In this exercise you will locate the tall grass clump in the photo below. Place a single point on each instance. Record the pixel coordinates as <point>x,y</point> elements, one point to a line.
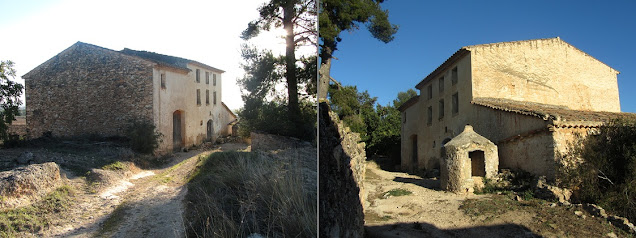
<point>236,194</point>
<point>602,168</point>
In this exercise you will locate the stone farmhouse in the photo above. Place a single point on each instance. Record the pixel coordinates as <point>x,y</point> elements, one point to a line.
<point>87,89</point>
<point>530,98</point>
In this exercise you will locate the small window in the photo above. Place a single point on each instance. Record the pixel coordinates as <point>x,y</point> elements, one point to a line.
<point>441,84</point>
<point>198,97</point>
<point>404,117</point>
<point>163,80</point>
<point>214,97</point>
<point>429,119</point>
<point>441,108</point>
<point>198,76</point>
<point>207,77</point>
<point>454,76</point>
<point>207,97</point>
<point>430,91</point>
<point>213,79</point>
<point>455,103</point>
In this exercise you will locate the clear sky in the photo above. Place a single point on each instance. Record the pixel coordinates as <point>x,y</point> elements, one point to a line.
<point>206,31</point>
<point>431,31</point>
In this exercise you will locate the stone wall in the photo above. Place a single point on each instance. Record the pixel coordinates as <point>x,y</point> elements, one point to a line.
<point>548,71</point>
<point>87,89</point>
<point>341,171</point>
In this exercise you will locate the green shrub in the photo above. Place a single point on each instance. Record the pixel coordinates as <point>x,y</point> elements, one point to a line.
<point>601,168</point>
<point>143,136</point>
<point>272,118</point>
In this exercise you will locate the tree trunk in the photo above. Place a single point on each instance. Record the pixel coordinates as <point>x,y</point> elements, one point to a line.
<point>290,64</point>
<point>325,74</point>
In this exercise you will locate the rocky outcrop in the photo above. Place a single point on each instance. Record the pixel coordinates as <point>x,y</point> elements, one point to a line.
<point>25,185</point>
<point>545,191</point>
<point>342,168</point>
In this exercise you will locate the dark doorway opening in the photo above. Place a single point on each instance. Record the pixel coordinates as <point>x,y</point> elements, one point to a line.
<point>210,130</point>
<point>414,153</point>
<point>478,163</point>
<point>177,130</point>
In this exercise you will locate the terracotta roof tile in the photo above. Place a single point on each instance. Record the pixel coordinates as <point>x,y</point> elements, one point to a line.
<point>561,115</point>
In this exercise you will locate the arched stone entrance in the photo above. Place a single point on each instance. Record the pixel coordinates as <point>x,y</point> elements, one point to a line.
<point>210,129</point>
<point>178,132</point>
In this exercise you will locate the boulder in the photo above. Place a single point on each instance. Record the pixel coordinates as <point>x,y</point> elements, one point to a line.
<point>25,185</point>
<point>622,223</point>
<point>595,210</point>
<point>545,191</point>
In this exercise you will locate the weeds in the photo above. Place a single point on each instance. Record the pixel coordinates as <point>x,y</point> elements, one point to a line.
<point>235,194</point>
<point>35,217</point>
<point>397,192</point>
<point>117,165</point>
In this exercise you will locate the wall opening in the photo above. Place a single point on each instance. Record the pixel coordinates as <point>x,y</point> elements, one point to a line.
<point>177,130</point>
<point>478,163</point>
<point>414,148</point>
<point>210,130</point>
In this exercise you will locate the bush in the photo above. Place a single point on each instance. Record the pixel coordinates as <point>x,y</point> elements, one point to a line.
<point>143,136</point>
<point>272,118</point>
<point>601,168</point>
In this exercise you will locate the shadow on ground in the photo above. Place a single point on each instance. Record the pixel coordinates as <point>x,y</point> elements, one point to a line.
<point>406,230</point>
<point>386,163</point>
<point>429,183</point>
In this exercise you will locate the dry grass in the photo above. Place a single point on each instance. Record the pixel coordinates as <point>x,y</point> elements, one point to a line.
<point>34,218</point>
<point>236,194</point>
<point>558,221</point>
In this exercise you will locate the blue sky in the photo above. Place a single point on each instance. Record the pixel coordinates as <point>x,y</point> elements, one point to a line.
<point>431,31</point>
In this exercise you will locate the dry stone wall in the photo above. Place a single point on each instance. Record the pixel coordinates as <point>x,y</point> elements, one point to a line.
<point>87,89</point>
<point>342,168</point>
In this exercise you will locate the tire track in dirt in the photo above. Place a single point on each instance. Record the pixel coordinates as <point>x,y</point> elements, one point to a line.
<point>148,204</point>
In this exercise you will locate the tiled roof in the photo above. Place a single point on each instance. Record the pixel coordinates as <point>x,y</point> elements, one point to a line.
<point>172,61</point>
<point>560,115</point>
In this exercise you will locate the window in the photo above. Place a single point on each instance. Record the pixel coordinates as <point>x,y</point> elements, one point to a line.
<point>454,76</point>
<point>198,97</point>
<point>404,117</point>
<point>429,119</point>
<point>213,79</point>
<point>430,91</point>
<point>207,77</point>
<point>441,84</point>
<point>198,76</point>
<point>455,103</point>
<point>441,108</point>
<point>163,80</point>
<point>207,97</point>
<point>214,98</point>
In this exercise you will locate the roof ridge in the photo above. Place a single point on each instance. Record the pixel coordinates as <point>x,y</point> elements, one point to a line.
<point>517,41</point>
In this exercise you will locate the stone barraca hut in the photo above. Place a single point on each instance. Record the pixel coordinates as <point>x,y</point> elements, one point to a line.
<point>87,89</point>
<point>530,98</point>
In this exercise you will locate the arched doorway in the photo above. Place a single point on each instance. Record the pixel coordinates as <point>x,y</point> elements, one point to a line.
<point>210,129</point>
<point>177,130</point>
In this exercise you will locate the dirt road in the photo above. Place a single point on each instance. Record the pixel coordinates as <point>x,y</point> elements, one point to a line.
<point>146,204</point>
<point>427,212</point>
